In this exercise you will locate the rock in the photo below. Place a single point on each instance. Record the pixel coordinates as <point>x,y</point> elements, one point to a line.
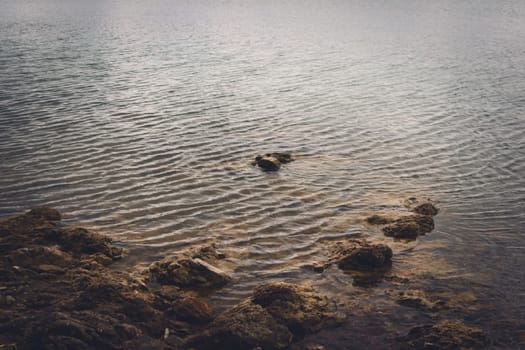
<point>426,209</point>
<point>268,163</point>
<point>188,273</point>
<point>191,310</point>
<point>363,256</point>
<point>245,326</point>
<point>273,161</point>
<point>378,220</point>
<point>409,227</point>
<point>45,213</point>
<point>275,315</point>
<point>297,306</point>
<point>444,335</point>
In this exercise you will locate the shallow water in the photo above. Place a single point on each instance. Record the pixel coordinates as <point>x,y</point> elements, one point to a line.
<point>140,120</point>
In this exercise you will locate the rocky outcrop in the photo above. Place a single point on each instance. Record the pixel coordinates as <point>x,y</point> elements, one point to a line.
<point>272,318</point>
<point>360,255</point>
<point>58,293</point>
<point>409,227</point>
<point>273,161</point>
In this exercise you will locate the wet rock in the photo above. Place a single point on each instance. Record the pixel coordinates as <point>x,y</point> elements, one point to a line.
<point>273,161</point>
<point>297,306</point>
<point>275,315</point>
<point>188,273</point>
<point>444,335</point>
<point>45,213</point>
<point>192,310</point>
<point>409,227</point>
<point>268,163</point>
<point>378,220</point>
<point>10,300</point>
<point>426,209</point>
<point>245,326</point>
<point>362,256</point>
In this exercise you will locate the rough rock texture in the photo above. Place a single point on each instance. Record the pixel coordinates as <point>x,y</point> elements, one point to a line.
<point>444,335</point>
<point>188,272</point>
<point>409,227</point>
<point>59,294</point>
<point>426,209</point>
<point>273,161</point>
<point>275,315</point>
<point>363,256</point>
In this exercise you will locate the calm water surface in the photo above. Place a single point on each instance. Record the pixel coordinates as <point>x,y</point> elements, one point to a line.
<point>140,118</point>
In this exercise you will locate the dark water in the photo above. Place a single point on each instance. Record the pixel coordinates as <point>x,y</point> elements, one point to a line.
<point>140,118</point>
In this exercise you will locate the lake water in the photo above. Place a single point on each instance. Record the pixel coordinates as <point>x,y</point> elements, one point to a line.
<point>140,119</point>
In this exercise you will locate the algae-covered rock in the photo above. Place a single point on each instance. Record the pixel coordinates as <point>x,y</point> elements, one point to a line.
<point>428,209</point>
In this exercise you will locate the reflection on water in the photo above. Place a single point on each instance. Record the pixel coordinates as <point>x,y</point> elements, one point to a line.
<point>141,120</point>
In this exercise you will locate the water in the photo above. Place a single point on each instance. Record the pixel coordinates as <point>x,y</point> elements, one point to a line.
<point>140,119</point>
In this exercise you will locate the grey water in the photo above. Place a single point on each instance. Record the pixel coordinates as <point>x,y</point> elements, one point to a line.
<point>140,118</point>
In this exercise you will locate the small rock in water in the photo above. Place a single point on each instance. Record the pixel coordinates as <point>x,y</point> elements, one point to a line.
<point>273,161</point>
<point>378,220</point>
<point>427,209</point>
<point>409,227</point>
<point>364,257</point>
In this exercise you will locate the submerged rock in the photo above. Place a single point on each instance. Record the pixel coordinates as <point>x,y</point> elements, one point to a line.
<point>273,161</point>
<point>409,227</point>
<point>188,272</point>
<point>378,220</point>
<point>363,256</point>
<point>444,335</point>
<point>426,209</point>
<point>275,315</point>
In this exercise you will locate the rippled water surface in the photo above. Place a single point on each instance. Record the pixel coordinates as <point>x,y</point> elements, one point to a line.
<point>140,118</point>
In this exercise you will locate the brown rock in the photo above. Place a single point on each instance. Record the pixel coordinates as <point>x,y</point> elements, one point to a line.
<point>245,326</point>
<point>444,335</point>
<point>409,227</point>
<point>45,213</point>
<point>378,220</point>
<point>426,209</point>
<point>363,256</point>
<point>188,273</point>
<point>297,306</point>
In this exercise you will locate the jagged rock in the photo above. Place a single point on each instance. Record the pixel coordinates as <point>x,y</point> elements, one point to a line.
<point>444,335</point>
<point>363,256</point>
<point>188,272</point>
<point>299,307</point>
<point>66,298</point>
<point>275,315</point>
<point>426,209</point>
<point>409,227</point>
<point>244,327</point>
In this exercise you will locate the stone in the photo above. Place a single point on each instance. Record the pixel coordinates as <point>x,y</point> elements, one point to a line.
<point>364,256</point>
<point>273,161</point>
<point>378,220</point>
<point>409,227</point>
<point>45,213</point>
<point>188,272</point>
<point>426,209</point>
<point>444,335</point>
<point>245,326</point>
<point>298,306</point>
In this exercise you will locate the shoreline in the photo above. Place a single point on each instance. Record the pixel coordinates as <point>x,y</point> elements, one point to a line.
<point>59,290</point>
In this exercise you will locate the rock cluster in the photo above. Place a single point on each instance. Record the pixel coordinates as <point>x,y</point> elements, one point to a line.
<point>408,227</point>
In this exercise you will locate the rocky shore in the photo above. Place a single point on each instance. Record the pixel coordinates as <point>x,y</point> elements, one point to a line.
<point>58,290</point>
